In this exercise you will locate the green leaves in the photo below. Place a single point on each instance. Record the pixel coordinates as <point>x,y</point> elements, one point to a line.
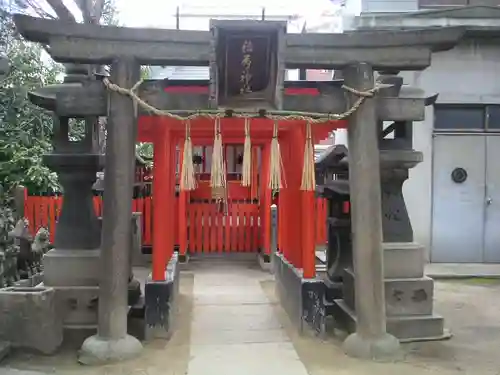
<point>25,129</point>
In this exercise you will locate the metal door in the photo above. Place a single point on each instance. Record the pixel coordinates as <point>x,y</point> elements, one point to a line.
<point>492,201</point>
<point>458,204</point>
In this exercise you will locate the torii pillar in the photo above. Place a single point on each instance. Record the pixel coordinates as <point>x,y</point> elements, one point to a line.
<point>371,339</point>
<point>112,343</point>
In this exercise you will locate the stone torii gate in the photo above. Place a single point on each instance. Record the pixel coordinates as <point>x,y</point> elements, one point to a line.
<point>357,54</point>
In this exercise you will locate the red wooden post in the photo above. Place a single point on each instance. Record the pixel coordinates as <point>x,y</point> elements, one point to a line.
<point>161,166</point>
<point>265,200</point>
<point>294,180</point>
<point>284,202</point>
<point>182,208</point>
<point>308,234</point>
<point>171,214</point>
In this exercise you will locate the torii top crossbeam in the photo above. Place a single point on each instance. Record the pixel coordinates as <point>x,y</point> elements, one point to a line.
<point>95,44</point>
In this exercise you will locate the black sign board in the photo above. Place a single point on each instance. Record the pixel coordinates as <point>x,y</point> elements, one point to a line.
<point>248,63</point>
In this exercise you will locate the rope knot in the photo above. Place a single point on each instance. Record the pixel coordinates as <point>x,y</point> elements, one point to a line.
<point>370,93</point>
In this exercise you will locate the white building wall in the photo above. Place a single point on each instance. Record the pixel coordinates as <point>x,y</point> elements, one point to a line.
<point>356,7</point>
<point>389,6</point>
<point>468,74</point>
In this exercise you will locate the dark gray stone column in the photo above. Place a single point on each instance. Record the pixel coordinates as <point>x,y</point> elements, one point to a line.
<point>371,339</point>
<point>112,343</point>
<point>77,227</point>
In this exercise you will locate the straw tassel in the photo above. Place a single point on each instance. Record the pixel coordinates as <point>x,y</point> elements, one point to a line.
<point>308,172</point>
<point>188,180</point>
<point>246,178</point>
<point>275,161</point>
<point>217,170</point>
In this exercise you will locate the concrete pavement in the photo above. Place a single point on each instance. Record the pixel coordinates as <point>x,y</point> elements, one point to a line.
<point>235,328</point>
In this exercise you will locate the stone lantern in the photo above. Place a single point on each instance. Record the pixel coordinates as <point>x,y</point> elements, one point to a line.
<point>72,266</point>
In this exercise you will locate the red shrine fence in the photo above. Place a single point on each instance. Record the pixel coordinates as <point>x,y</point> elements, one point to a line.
<point>210,230</point>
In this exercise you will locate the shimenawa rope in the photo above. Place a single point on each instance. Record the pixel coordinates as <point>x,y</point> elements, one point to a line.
<point>311,117</point>
<point>217,178</point>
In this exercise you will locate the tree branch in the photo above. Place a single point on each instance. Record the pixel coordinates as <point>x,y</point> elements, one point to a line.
<point>62,12</point>
<point>98,8</point>
<point>85,7</point>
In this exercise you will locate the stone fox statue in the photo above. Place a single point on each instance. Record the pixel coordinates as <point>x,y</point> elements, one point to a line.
<point>31,249</point>
<point>22,238</point>
<point>41,244</point>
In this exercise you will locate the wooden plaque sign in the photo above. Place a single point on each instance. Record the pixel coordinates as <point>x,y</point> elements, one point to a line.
<point>246,64</point>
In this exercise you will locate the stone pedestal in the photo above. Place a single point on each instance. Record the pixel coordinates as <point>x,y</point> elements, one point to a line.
<point>74,275</point>
<point>28,319</point>
<point>408,296</point>
<point>161,300</point>
<point>302,299</point>
<point>72,268</point>
<point>408,293</point>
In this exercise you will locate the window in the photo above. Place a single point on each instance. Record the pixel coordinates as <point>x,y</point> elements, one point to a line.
<point>459,118</point>
<point>493,117</point>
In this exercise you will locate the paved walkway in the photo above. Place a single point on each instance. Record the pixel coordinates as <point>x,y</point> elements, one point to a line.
<point>234,326</point>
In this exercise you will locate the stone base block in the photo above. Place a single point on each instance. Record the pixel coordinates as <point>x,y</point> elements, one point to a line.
<point>71,268</point>
<point>135,321</point>
<point>4,350</point>
<point>264,262</point>
<point>403,260</point>
<point>31,281</point>
<point>333,290</point>
<point>385,347</point>
<point>404,328</point>
<point>184,258</point>
<point>75,335</point>
<point>23,283</point>
<point>77,305</point>
<point>418,328</point>
<point>161,299</point>
<point>302,299</point>
<point>402,296</point>
<point>134,292</point>
<point>99,351</point>
<point>29,320</point>
<point>36,279</point>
